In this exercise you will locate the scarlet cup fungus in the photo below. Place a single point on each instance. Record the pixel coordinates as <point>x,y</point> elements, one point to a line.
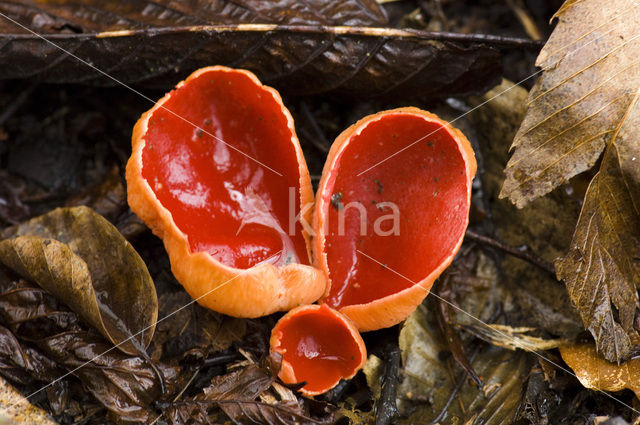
<point>319,346</point>
<point>216,165</point>
<point>404,177</point>
<point>391,212</point>
<point>211,173</point>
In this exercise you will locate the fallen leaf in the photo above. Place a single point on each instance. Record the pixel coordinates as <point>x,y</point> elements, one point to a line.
<point>544,227</point>
<point>48,342</point>
<point>80,258</point>
<point>585,95</point>
<point>108,198</point>
<point>512,338</point>
<point>344,47</point>
<point>373,372</point>
<point>193,327</point>
<point>243,396</point>
<point>427,381</point>
<point>16,410</point>
<point>596,373</point>
<point>602,268</point>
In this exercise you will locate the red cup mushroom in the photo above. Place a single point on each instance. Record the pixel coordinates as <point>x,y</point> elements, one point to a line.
<point>319,346</point>
<point>216,167</point>
<point>218,173</point>
<point>391,212</point>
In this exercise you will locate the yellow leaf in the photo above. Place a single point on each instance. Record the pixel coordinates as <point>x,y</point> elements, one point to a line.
<point>596,373</point>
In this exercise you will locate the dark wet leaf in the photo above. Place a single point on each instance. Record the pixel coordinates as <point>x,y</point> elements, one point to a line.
<point>288,44</point>
<point>12,209</point>
<point>587,91</point>
<point>80,258</point>
<point>193,328</point>
<point>602,268</point>
<point>16,410</point>
<point>125,385</point>
<point>247,396</point>
<point>41,347</point>
<point>540,402</point>
<point>108,198</point>
<point>429,392</point>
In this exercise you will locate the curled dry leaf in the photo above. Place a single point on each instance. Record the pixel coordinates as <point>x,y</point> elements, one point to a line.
<point>288,44</point>
<point>15,408</point>
<point>80,258</point>
<point>596,373</point>
<point>512,338</point>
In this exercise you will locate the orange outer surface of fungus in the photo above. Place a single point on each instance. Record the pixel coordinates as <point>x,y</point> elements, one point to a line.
<point>381,268</point>
<point>319,346</point>
<point>215,167</point>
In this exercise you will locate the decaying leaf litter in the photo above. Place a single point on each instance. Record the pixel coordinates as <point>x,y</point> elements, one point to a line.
<point>66,145</point>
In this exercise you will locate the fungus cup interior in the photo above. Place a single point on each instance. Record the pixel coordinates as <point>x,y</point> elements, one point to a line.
<point>220,178</point>
<point>319,345</point>
<point>409,211</point>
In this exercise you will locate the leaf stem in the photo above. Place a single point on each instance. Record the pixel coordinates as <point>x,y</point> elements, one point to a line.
<point>533,259</point>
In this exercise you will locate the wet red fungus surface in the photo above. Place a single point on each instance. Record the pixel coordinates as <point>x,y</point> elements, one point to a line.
<point>391,211</point>
<point>217,172</point>
<point>227,203</point>
<point>319,346</point>
<point>417,186</point>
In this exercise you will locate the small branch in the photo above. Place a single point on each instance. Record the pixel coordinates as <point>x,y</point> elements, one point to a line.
<point>320,141</point>
<point>454,393</point>
<point>10,109</point>
<point>444,316</point>
<point>535,260</point>
<point>494,40</point>
<point>386,409</point>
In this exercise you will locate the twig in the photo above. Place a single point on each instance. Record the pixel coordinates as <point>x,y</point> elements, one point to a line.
<point>176,398</point>
<point>321,142</point>
<point>455,391</point>
<point>535,260</point>
<point>528,24</point>
<point>17,102</point>
<point>494,40</point>
<point>221,359</point>
<point>386,409</point>
<point>451,336</point>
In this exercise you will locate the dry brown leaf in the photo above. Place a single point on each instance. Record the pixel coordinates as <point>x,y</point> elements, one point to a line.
<point>596,373</point>
<point>590,79</point>
<point>15,409</point>
<point>602,265</point>
<point>80,258</point>
<point>512,338</point>
<point>586,102</point>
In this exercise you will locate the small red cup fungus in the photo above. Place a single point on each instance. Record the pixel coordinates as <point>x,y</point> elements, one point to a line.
<point>216,165</point>
<point>319,346</point>
<point>391,212</point>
